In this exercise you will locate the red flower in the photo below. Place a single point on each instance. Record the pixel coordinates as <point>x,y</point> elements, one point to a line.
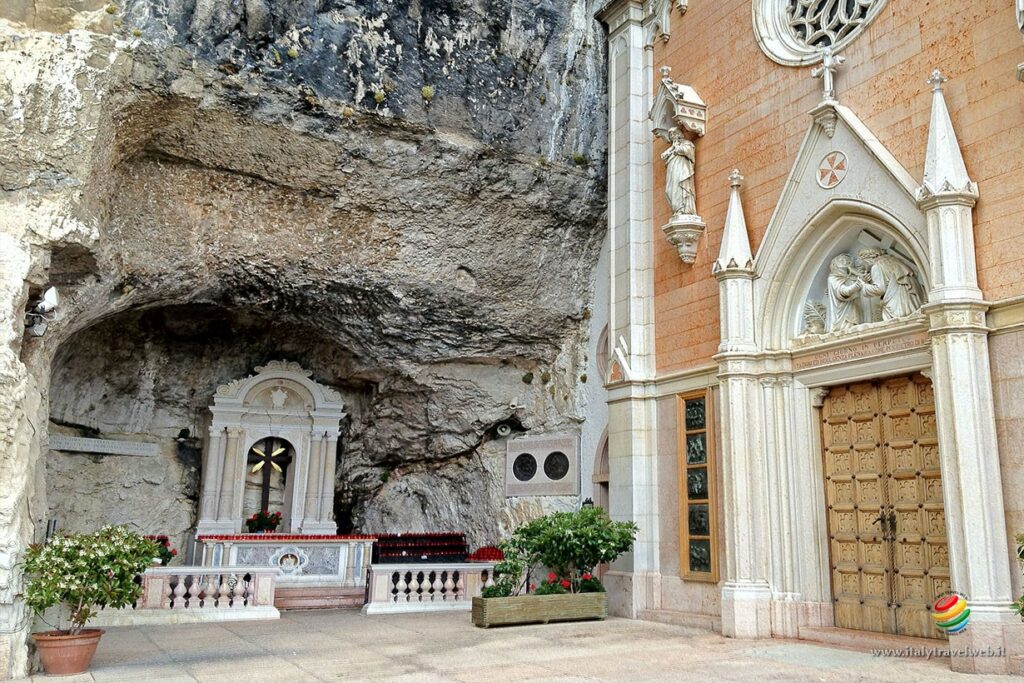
<point>565,583</point>
<point>552,577</point>
<point>173,551</point>
<point>533,586</point>
<point>586,576</point>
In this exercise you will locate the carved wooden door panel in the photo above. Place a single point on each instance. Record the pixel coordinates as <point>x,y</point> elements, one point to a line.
<point>855,495</point>
<point>883,490</point>
<point>920,553</point>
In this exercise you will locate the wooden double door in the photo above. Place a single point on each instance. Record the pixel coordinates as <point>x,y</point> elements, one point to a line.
<point>883,490</point>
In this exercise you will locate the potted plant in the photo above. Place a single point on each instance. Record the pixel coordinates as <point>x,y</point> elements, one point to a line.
<point>165,553</point>
<point>570,545</point>
<point>263,522</point>
<point>80,573</point>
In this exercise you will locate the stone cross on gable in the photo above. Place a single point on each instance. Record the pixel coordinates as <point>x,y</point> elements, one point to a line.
<point>830,63</point>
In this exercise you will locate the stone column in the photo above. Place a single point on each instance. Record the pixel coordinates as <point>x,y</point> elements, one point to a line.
<point>212,469</point>
<point>965,411</point>
<point>746,594</point>
<point>314,473</point>
<point>229,510</point>
<point>633,581</point>
<point>330,461</point>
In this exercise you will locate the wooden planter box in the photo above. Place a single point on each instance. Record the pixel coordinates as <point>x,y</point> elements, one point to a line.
<point>533,609</point>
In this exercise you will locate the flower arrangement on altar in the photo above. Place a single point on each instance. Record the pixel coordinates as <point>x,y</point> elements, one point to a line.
<point>165,552</point>
<point>263,521</point>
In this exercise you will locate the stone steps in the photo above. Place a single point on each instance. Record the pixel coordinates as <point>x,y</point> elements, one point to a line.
<point>677,618</point>
<point>868,640</point>
<point>318,597</point>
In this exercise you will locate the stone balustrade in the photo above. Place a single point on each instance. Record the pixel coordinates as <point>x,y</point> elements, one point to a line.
<point>430,587</point>
<point>194,594</point>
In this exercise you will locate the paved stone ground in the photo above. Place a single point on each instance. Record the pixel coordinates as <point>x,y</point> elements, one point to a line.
<point>423,648</point>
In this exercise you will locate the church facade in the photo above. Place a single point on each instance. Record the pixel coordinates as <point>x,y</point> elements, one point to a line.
<point>816,392</point>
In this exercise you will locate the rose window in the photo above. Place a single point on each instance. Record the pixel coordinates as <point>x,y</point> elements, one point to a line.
<point>794,32</point>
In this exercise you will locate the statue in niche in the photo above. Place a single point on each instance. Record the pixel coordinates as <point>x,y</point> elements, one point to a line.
<point>891,279</point>
<point>679,160</point>
<point>844,288</point>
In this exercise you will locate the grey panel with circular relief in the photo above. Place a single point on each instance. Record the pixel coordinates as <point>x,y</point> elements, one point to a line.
<point>542,466</point>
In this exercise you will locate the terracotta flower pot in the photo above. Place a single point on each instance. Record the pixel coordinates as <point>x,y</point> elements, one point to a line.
<point>64,654</point>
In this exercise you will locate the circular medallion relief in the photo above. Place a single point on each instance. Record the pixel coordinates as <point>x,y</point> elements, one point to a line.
<point>794,32</point>
<point>556,465</point>
<point>524,467</point>
<point>832,170</point>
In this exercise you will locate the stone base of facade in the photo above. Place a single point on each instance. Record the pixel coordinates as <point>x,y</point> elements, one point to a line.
<point>630,593</point>
<point>746,611</point>
<point>989,648</point>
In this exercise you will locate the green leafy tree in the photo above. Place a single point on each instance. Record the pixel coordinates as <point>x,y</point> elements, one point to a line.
<point>82,572</point>
<point>570,544</point>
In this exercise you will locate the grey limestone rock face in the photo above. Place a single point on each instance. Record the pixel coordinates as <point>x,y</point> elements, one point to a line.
<point>407,197</point>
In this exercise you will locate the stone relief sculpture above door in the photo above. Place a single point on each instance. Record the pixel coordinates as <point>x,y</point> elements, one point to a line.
<point>864,284</point>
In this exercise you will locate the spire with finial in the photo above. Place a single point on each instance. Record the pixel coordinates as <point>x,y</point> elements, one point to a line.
<point>735,251</point>
<point>944,168</point>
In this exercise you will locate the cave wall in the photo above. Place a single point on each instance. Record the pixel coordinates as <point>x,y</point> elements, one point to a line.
<point>418,183</point>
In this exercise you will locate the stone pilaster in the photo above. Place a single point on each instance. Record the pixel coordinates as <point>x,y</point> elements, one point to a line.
<point>314,473</point>
<point>964,406</point>
<point>229,508</point>
<point>746,593</point>
<point>212,471</point>
<point>634,579</point>
<point>330,463</point>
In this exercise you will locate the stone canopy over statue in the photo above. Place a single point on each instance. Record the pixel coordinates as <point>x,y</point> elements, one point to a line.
<point>876,285</point>
<point>680,117</point>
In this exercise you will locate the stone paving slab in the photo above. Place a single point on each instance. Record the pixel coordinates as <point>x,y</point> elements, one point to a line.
<point>343,645</point>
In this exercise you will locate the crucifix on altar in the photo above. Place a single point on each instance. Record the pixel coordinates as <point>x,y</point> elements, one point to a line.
<point>265,482</point>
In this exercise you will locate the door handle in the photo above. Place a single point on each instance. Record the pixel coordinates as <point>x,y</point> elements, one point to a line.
<point>892,523</point>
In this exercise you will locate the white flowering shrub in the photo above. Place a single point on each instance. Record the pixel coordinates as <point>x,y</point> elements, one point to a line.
<point>82,572</point>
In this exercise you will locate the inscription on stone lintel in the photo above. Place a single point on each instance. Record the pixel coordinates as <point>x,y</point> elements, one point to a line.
<point>62,442</point>
<point>877,347</point>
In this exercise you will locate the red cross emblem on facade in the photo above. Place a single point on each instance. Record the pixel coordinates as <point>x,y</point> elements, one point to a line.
<point>832,170</point>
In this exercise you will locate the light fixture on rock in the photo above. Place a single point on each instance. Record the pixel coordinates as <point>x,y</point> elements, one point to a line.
<point>43,312</point>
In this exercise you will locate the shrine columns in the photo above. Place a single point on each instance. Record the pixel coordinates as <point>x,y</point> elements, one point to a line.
<point>226,511</point>
<point>965,409</point>
<point>314,475</point>
<point>330,461</point>
<point>212,471</point>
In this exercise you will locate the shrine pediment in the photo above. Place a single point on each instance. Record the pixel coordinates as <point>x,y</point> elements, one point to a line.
<point>845,192</point>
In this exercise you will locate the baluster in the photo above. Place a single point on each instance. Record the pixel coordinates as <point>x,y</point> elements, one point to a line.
<point>401,596</point>
<point>238,592</point>
<point>223,593</point>
<point>488,578</point>
<point>169,593</point>
<point>449,585</point>
<point>459,586</point>
<point>414,585</point>
<point>178,593</point>
<point>438,585</point>
<point>195,600</point>
<point>395,578</point>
